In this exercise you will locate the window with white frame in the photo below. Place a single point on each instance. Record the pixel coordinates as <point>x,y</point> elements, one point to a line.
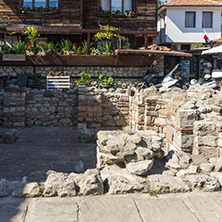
<point>40,3</point>
<point>116,5</point>
<point>190,19</point>
<point>207,19</point>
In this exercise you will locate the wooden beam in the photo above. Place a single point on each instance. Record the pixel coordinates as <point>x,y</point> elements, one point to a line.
<point>134,5</point>
<point>98,5</point>
<point>110,5</point>
<point>145,41</point>
<point>88,42</point>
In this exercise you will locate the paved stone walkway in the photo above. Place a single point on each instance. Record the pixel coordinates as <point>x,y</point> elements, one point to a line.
<point>189,207</point>
<point>42,149</point>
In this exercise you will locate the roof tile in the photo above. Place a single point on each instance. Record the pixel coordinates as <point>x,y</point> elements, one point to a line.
<point>193,2</point>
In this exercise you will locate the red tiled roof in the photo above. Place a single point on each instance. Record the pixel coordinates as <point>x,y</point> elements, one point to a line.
<point>193,2</point>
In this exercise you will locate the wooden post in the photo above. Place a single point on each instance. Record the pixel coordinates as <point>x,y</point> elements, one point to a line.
<point>88,42</point>
<point>145,41</point>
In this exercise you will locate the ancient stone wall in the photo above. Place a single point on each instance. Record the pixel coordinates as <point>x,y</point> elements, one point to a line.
<point>120,74</point>
<point>14,107</point>
<point>101,108</point>
<point>1,106</point>
<point>207,138</point>
<point>23,107</point>
<point>47,108</point>
<point>147,111</point>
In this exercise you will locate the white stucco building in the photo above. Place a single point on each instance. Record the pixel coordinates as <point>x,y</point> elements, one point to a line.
<point>182,23</point>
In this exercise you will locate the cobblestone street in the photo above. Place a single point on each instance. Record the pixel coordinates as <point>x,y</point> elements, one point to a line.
<point>43,149</point>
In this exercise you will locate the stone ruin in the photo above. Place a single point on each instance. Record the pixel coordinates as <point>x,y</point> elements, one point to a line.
<point>172,144</point>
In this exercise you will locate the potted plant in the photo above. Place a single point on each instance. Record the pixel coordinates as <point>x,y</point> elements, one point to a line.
<point>117,12</point>
<point>14,53</point>
<point>25,9</point>
<point>105,82</point>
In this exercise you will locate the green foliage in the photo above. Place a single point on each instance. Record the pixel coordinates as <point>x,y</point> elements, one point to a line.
<point>105,48</point>
<point>152,192</point>
<point>105,81</point>
<point>85,79</point>
<point>59,73</point>
<point>108,32</point>
<point>6,49</point>
<point>197,45</point>
<point>19,47</point>
<point>41,189</point>
<point>32,34</point>
<point>66,45</point>
<point>107,14</point>
<point>49,48</point>
<point>126,45</point>
<point>37,79</point>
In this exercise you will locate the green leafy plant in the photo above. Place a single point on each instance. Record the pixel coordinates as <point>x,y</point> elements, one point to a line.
<point>105,48</point>
<point>94,51</point>
<point>66,45</point>
<point>32,34</point>
<point>6,49</point>
<point>19,47</point>
<point>107,14</point>
<point>108,32</point>
<point>37,79</point>
<point>152,192</point>
<point>58,73</point>
<point>41,189</point>
<point>85,79</point>
<point>126,45</point>
<point>117,12</point>
<point>105,81</point>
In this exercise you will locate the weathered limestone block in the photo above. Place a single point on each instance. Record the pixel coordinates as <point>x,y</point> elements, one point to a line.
<point>208,140</point>
<point>91,183</point>
<point>178,159</point>
<point>217,163</point>
<point>140,168</point>
<point>191,170</point>
<point>167,184</point>
<point>218,176</point>
<point>59,184</point>
<point>9,136</point>
<point>206,167</point>
<point>186,118</point>
<point>203,182</point>
<point>26,190</point>
<point>183,140</point>
<point>202,127</point>
<point>119,181</point>
<point>206,151</point>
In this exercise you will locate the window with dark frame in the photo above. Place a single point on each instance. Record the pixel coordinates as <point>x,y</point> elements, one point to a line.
<point>116,5</point>
<point>40,3</point>
<point>207,19</point>
<point>190,19</point>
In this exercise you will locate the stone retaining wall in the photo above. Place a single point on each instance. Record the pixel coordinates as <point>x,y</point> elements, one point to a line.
<point>46,108</point>
<point>14,107</point>
<point>23,107</point>
<point>1,106</point>
<point>101,108</point>
<point>207,138</point>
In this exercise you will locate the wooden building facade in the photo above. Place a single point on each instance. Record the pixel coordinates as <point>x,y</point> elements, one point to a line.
<point>79,20</point>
